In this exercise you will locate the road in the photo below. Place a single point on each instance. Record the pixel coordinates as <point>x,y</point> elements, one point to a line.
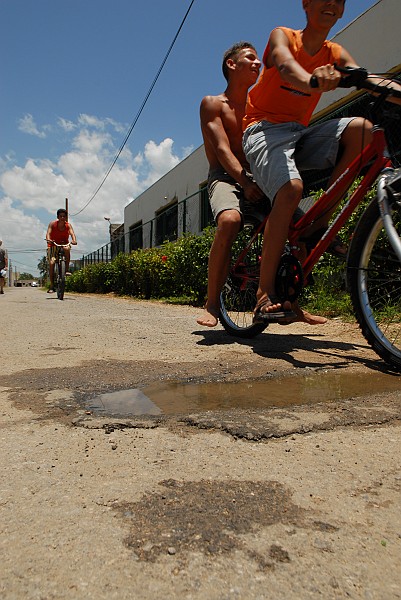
<point>288,499</point>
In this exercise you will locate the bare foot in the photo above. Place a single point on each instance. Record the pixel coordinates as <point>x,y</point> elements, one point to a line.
<point>304,317</point>
<point>210,317</point>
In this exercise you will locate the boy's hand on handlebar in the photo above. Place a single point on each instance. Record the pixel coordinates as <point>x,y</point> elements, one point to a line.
<point>325,78</point>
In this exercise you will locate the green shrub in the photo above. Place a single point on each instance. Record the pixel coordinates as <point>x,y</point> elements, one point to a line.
<point>177,272</point>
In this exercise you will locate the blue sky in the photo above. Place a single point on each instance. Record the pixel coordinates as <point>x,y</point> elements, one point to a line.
<point>74,74</point>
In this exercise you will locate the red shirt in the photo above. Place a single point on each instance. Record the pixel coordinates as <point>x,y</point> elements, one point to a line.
<point>58,236</point>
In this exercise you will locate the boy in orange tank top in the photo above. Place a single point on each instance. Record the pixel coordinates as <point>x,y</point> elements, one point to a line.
<point>277,141</point>
<point>59,231</point>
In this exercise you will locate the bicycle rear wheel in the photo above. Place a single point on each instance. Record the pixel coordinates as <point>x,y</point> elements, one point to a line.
<point>60,279</point>
<point>238,297</point>
<point>374,282</point>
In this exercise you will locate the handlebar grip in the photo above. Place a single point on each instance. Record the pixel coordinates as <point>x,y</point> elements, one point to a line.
<point>313,82</point>
<point>345,82</point>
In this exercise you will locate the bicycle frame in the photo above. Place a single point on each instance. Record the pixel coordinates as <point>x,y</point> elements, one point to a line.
<point>59,254</point>
<point>333,196</point>
<point>376,151</point>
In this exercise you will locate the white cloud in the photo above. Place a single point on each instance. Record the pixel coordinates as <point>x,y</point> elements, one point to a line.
<point>31,193</point>
<point>66,125</point>
<point>28,125</point>
<point>160,159</point>
<point>92,121</point>
<point>187,151</point>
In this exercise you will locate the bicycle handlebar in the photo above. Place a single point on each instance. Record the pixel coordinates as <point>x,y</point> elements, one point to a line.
<point>59,245</point>
<point>359,78</point>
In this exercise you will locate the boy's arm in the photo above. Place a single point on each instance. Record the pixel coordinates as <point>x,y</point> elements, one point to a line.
<point>280,56</point>
<point>348,61</point>
<point>48,232</point>
<point>72,234</point>
<point>215,136</point>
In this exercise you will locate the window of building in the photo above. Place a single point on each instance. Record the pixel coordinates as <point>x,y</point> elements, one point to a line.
<point>136,236</point>
<point>167,223</point>
<point>206,215</point>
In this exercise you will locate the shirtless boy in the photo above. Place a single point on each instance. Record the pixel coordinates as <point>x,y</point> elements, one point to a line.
<point>230,185</point>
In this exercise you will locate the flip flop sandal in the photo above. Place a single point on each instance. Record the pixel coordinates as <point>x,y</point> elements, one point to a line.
<point>271,317</point>
<point>337,241</point>
<point>311,241</point>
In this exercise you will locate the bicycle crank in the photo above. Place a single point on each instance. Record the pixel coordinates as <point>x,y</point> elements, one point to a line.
<point>289,278</point>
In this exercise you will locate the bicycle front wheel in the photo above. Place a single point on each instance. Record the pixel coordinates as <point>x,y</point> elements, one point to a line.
<point>61,280</point>
<point>374,282</point>
<point>238,297</point>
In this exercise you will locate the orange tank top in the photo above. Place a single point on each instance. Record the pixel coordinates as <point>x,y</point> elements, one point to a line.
<point>60,237</point>
<point>275,100</point>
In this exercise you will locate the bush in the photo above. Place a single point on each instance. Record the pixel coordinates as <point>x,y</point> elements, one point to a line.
<point>177,272</point>
<point>174,270</point>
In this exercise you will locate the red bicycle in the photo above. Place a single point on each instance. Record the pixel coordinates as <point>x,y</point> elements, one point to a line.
<point>373,264</point>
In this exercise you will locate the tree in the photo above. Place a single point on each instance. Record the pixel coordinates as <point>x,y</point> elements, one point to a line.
<point>43,266</point>
<point>24,276</point>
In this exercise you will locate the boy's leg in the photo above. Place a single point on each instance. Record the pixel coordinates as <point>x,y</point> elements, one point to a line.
<point>67,253</point>
<point>228,226</point>
<point>51,260</point>
<point>354,137</point>
<point>275,236</point>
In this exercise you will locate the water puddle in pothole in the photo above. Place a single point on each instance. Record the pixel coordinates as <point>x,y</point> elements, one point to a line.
<point>171,398</point>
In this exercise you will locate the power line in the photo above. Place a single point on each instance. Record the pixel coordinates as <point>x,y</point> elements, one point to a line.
<point>138,113</point>
<point>17,251</point>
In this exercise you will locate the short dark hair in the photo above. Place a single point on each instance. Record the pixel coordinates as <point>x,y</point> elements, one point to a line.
<point>61,210</point>
<point>233,53</point>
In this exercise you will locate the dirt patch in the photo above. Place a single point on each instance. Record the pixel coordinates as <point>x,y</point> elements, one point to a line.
<point>207,516</point>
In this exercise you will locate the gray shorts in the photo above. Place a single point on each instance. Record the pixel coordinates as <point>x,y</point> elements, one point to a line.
<point>278,152</point>
<point>226,194</point>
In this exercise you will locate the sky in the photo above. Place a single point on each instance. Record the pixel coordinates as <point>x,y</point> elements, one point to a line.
<point>74,75</point>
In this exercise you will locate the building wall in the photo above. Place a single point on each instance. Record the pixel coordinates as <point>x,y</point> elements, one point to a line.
<point>179,183</point>
<point>374,42</point>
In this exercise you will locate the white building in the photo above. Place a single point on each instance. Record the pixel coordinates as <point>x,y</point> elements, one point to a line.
<point>178,203</point>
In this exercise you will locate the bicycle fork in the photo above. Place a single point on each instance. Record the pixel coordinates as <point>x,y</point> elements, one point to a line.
<point>390,180</point>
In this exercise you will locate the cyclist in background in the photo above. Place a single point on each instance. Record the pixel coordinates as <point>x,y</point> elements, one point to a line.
<point>59,231</point>
<point>3,266</point>
<point>278,142</point>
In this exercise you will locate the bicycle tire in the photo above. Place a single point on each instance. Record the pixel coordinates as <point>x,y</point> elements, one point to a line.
<point>374,283</point>
<point>238,296</point>
<point>61,280</point>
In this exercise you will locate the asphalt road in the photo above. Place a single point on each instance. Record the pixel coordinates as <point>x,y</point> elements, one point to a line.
<point>292,498</point>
